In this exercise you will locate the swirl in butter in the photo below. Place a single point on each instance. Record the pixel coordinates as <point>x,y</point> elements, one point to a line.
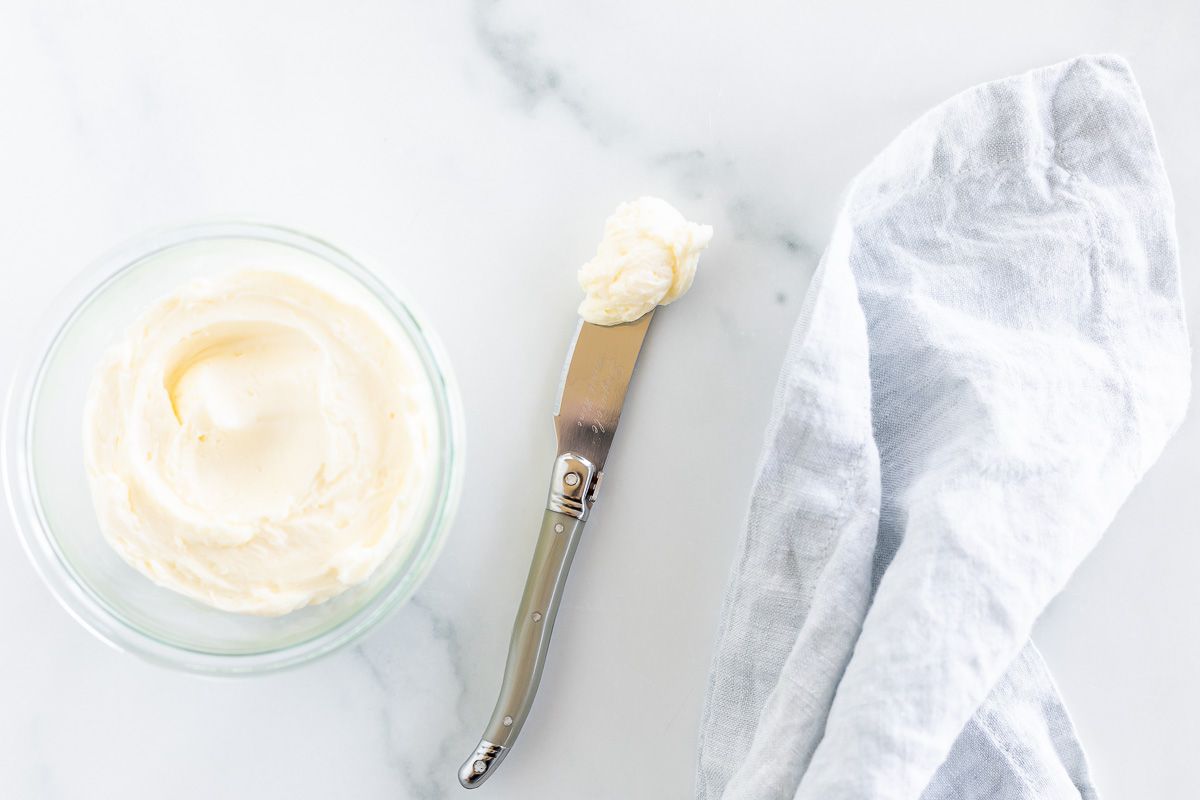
<point>647,258</point>
<point>258,443</point>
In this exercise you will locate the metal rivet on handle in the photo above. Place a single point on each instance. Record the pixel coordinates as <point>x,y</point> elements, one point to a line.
<point>537,616</point>
<point>571,479</point>
<point>480,767</point>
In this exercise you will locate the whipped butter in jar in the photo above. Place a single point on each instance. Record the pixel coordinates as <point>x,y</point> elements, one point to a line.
<point>260,440</point>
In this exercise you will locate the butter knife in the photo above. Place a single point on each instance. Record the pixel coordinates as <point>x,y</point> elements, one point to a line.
<point>591,393</point>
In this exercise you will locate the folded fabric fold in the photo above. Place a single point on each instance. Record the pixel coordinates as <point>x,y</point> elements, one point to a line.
<point>991,354</point>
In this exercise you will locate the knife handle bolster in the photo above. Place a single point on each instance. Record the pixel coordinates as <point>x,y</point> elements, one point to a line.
<point>573,485</point>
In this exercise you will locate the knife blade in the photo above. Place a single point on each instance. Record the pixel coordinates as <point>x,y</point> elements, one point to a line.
<point>595,378</point>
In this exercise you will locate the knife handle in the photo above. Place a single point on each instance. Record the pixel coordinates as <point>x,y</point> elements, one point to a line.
<point>556,546</point>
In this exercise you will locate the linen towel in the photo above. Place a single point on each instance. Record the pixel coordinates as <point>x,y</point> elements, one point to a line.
<point>990,355</point>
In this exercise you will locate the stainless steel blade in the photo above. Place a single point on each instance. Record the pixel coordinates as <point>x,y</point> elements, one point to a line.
<point>592,391</point>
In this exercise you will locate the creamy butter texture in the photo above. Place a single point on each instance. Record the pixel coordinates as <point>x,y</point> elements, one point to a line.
<point>647,258</point>
<point>258,443</point>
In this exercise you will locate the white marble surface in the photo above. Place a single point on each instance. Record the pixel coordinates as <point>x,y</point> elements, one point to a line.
<point>474,149</point>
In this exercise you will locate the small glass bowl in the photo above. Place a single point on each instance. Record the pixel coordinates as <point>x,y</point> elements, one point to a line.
<point>47,487</point>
